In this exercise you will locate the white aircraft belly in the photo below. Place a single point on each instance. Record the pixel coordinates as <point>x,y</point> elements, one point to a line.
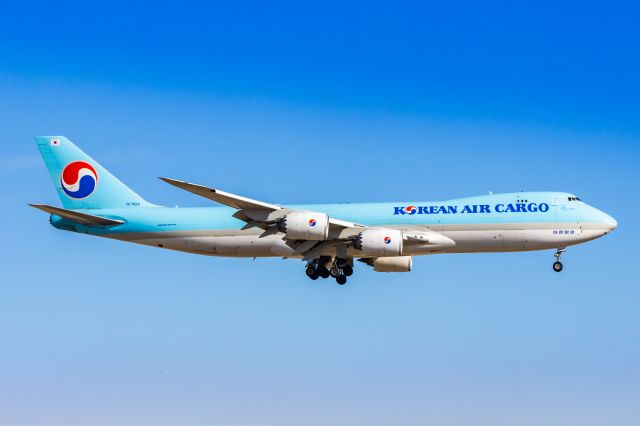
<point>468,239</point>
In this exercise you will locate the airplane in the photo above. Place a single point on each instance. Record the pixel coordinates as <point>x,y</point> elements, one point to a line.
<point>327,237</point>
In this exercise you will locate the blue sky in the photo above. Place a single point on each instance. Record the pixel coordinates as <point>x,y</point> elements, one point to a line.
<point>296,103</point>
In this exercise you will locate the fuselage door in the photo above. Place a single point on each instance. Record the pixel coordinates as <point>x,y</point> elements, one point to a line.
<point>556,202</point>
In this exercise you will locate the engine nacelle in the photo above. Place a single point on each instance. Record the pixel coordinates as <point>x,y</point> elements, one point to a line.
<point>393,264</point>
<point>379,242</point>
<point>305,225</point>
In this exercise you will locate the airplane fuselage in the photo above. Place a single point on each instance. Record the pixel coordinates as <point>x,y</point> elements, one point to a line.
<point>329,237</point>
<point>490,223</point>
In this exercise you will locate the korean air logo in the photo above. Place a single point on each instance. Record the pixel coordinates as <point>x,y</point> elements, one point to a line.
<point>79,179</point>
<point>411,210</point>
<point>387,240</point>
<point>312,222</point>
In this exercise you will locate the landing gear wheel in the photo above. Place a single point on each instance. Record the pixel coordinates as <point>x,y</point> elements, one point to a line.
<point>341,263</point>
<point>312,273</point>
<point>557,265</point>
<point>341,279</point>
<point>323,272</point>
<point>347,271</point>
<point>334,271</point>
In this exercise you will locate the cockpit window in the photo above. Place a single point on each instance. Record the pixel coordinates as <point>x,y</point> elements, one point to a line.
<point>574,199</point>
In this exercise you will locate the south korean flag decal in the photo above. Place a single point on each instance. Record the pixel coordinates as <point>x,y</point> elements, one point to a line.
<point>55,142</point>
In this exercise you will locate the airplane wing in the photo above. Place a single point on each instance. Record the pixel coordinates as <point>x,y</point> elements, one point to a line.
<point>270,217</point>
<point>226,198</point>
<point>81,218</point>
<point>250,210</point>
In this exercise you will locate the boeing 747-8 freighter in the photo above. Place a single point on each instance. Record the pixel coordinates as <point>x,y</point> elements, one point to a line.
<point>329,237</point>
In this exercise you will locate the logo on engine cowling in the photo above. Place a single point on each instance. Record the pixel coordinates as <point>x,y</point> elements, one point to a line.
<point>387,240</point>
<point>312,222</point>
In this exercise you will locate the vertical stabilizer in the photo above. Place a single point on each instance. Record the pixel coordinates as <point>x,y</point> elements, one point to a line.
<point>81,182</point>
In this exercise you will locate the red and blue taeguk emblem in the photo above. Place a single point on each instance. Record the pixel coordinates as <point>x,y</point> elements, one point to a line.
<point>312,222</point>
<point>387,240</point>
<point>79,179</point>
<point>411,209</point>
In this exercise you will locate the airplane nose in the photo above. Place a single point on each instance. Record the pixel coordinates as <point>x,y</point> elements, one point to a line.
<point>609,222</point>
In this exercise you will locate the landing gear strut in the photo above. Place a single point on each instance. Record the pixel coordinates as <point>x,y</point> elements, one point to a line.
<point>557,265</point>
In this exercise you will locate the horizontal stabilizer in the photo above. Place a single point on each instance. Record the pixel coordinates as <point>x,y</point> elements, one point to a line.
<point>75,216</point>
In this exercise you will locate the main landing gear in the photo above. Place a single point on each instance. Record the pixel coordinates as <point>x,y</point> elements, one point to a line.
<point>557,265</point>
<point>337,268</point>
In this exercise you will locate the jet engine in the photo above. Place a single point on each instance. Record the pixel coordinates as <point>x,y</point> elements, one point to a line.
<point>305,225</point>
<point>393,264</point>
<point>379,242</point>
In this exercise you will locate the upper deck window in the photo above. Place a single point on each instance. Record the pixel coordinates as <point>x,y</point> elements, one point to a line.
<point>574,199</point>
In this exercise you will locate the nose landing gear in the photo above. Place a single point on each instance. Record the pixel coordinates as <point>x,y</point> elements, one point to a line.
<point>557,265</point>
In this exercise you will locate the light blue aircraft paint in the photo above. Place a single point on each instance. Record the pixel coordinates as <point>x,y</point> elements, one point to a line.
<point>328,236</point>
<point>94,188</point>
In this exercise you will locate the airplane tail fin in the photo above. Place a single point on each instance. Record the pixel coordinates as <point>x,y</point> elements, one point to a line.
<point>81,182</point>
